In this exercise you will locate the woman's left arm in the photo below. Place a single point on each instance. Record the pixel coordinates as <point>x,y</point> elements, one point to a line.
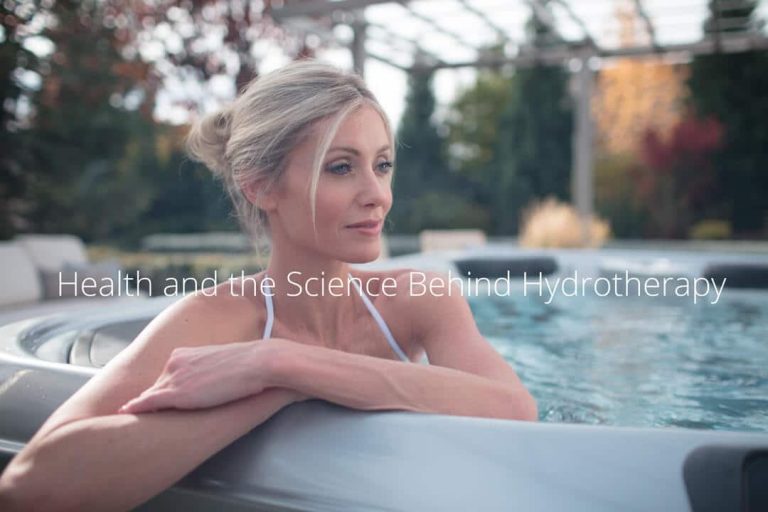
<point>465,377</point>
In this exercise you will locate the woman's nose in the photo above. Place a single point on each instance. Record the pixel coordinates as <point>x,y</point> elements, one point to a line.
<point>374,188</point>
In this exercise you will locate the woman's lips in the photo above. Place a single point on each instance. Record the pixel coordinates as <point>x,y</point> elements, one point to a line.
<point>367,228</point>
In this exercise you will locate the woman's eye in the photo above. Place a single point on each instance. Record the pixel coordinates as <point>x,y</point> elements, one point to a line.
<point>385,166</point>
<point>342,168</point>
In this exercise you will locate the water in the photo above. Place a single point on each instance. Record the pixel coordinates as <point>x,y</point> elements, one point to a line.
<point>638,361</point>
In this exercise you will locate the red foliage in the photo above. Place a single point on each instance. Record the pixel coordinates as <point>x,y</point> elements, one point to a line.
<point>692,141</point>
<point>677,180</point>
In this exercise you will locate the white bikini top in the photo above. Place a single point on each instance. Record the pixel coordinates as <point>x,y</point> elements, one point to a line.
<point>368,304</point>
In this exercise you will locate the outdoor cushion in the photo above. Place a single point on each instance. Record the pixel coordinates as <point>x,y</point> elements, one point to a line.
<point>51,252</point>
<point>18,276</point>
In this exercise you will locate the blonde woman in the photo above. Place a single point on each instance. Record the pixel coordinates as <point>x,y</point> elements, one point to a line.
<point>306,154</point>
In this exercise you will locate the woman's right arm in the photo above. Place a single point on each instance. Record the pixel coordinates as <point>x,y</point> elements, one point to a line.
<point>87,457</point>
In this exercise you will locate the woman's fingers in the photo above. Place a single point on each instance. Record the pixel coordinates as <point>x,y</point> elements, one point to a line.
<point>202,377</point>
<point>147,402</point>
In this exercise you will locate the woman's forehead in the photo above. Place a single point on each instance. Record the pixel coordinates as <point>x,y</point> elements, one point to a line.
<point>362,129</point>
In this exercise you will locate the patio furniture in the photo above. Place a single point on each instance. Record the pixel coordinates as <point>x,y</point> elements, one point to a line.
<point>44,274</point>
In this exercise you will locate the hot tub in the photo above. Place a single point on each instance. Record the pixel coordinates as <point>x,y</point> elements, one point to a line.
<point>647,403</point>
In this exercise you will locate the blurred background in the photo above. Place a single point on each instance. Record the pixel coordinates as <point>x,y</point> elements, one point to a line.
<point>533,122</point>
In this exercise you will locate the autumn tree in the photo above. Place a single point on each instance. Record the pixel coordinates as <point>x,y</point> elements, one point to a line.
<point>677,181</point>
<point>89,129</point>
<point>632,97</point>
<point>638,94</point>
<point>82,154</point>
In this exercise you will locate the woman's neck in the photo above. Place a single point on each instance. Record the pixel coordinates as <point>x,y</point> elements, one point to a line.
<point>312,295</point>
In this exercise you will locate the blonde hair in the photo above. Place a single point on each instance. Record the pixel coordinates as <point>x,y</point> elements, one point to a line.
<point>250,140</point>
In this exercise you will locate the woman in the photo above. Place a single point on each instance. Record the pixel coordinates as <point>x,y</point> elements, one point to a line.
<point>306,153</point>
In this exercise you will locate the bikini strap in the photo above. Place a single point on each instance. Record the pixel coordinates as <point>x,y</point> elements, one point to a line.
<point>379,320</point>
<point>270,307</point>
<point>266,291</point>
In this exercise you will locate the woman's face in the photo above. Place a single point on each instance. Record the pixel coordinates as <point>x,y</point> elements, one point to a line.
<point>354,187</point>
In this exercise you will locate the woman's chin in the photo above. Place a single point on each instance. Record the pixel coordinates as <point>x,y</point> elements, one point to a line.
<point>362,256</point>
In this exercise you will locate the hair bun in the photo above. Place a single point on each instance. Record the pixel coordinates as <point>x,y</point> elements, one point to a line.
<point>208,138</point>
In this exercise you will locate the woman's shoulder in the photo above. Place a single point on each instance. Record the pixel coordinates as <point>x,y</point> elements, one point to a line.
<point>386,284</point>
<point>426,298</point>
<point>412,294</point>
<point>229,292</point>
<point>404,283</point>
<point>235,306</point>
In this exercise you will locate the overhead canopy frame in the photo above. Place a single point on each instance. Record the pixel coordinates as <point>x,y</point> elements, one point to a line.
<point>663,28</point>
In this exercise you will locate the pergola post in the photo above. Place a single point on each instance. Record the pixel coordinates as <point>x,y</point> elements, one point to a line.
<point>358,42</point>
<point>582,183</point>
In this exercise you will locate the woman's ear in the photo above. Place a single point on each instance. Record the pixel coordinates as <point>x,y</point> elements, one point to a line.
<point>257,194</point>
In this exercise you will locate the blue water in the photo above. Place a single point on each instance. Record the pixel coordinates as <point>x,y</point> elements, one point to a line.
<point>639,361</point>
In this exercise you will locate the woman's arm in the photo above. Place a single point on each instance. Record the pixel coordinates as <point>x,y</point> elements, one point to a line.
<point>116,462</point>
<point>353,380</point>
<point>465,377</point>
<point>372,383</point>
<point>88,457</point>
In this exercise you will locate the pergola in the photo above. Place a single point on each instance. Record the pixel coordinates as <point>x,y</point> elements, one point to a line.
<point>438,34</point>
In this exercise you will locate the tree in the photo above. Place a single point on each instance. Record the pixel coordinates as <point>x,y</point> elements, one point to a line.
<point>428,194</point>
<point>422,184</point>
<point>535,130</point>
<point>193,44</point>
<point>91,128</point>
<point>186,198</point>
<point>16,60</point>
<point>82,157</point>
<point>420,151</point>
<point>731,88</point>
<point>634,95</point>
<point>473,131</point>
<point>677,183</point>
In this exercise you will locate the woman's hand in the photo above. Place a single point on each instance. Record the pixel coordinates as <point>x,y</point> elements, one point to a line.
<point>202,377</point>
